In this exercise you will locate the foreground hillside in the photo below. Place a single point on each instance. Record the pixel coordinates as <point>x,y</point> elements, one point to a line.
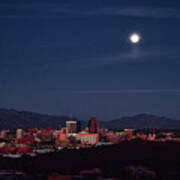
<point>163,158</point>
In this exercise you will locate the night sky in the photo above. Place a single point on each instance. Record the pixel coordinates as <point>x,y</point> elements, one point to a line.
<point>75,58</point>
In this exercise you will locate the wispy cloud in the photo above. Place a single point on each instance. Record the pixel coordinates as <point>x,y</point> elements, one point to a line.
<point>136,55</point>
<point>45,10</point>
<point>137,12</point>
<point>121,57</point>
<point>128,91</point>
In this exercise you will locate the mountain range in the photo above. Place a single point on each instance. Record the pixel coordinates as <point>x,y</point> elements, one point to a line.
<point>11,118</point>
<point>143,121</point>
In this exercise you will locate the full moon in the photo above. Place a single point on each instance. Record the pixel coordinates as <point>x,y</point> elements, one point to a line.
<point>134,38</point>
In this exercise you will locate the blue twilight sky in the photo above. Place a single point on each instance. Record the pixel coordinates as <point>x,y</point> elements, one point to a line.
<point>75,58</point>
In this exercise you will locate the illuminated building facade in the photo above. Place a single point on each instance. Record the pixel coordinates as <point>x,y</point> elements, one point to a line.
<point>87,138</point>
<point>71,126</point>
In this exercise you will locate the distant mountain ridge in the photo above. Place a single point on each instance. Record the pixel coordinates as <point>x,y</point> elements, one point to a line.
<point>143,121</point>
<point>11,118</point>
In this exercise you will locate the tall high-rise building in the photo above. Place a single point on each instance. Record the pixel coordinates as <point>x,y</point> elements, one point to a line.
<point>71,126</point>
<point>19,133</point>
<point>93,125</point>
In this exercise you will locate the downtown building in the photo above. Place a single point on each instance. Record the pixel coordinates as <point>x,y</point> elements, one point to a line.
<point>89,138</point>
<point>72,126</point>
<point>93,125</point>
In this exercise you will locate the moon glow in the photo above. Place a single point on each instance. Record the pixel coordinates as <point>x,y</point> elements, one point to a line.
<point>134,38</point>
